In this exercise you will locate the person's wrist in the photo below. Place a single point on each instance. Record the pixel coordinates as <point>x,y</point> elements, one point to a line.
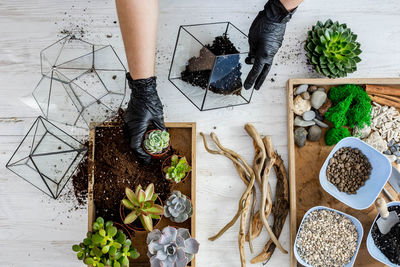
<point>276,12</point>
<point>142,87</point>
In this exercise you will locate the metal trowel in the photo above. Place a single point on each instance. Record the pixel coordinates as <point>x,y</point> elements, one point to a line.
<point>387,219</point>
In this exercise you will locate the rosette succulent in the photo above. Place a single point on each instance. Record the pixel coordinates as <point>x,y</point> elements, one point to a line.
<point>156,141</point>
<point>332,49</point>
<point>178,169</point>
<point>178,207</point>
<point>171,248</point>
<point>142,206</point>
<point>105,246</point>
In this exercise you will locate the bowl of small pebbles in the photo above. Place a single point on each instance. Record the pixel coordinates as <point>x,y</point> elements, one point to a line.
<point>385,248</point>
<point>355,173</point>
<point>327,237</point>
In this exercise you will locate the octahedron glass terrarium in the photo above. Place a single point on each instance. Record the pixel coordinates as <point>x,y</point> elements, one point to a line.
<point>81,83</point>
<point>208,65</point>
<point>47,157</point>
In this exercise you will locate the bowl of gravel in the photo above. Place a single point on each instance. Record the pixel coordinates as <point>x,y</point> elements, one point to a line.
<point>355,173</point>
<point>385,248</point>
<point>327,237</point>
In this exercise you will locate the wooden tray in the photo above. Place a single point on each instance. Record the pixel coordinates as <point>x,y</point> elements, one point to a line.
<point>186,146</point>
<point>304,167</point>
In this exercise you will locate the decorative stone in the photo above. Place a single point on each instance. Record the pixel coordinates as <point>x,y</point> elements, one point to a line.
<point>376,141</point>
<point>322,89</point>
<point>397,153</point>
<point>312,88</point>
<point>391,158</point>
<point>361,133</point>
<point>301,89</point>
<point>309,115</point>
<point>298,121</point>
<point>314,133</point>
<point>300,136</point>
<point>305,95</point>
<point>318,98</point>
<point>301,105</point>
<point>317,115</point>
<point>393,149</point>
<point>387,152</point>
<point>398,161</point>
<point>324,108</point>
<point>320,123</point>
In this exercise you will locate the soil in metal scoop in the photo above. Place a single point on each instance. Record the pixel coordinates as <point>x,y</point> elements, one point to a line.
<point>116,167</point>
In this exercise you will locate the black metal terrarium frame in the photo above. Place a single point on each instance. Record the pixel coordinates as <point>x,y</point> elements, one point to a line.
<point>36,157</point>
<point>172,79</point>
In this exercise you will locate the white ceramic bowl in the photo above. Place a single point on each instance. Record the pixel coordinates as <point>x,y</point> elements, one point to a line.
<point>366,194</point>
<point>356,222</point>
<point>374,250</point>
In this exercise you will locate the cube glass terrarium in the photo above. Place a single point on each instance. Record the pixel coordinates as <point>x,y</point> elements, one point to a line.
<point>81,83</point>
<point>208,65</point>
<point>47,157</point>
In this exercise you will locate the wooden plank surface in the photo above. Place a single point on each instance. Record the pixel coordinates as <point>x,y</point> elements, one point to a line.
<point>305,164</point>
<point>38,231</point>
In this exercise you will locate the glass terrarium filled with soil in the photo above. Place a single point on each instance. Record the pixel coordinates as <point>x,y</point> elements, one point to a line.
<point>209,67</point>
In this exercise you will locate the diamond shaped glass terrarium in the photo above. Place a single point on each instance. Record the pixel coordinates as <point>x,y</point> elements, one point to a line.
<point>47,157</point>
<point>208,65</point>
<point>81,84</point>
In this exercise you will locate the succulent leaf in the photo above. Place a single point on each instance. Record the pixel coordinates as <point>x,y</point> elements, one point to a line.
<point>335,44</point>
<point>147,222</point>
<point>149,191</point>
<point>128,204</point>
<point>178,207</point>
<point>178,169</point>
<point>131,217</point>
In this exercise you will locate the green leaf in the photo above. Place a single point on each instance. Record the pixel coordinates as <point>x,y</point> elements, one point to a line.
<point>125,262</point>
<point>127,243</point>
<point>112,231</point>
<point>96,226</point>
<point>149,192</point>
<point>102,232</point>
<point>155,209</point>
<point>120,237</point>
<point>118,255</point>
<point>131,217</point>
<point>112,251</point>
<point>116,264</point>
<point>80,255</point>
<point>117,245</point>
<point>134,254</point>
<point>97,252</point>
<point>109,223</point>
<point>76,248</point>
<point>89,261</point>
<point>100,220</point>
<point>131,196</point>
<point>141,196</point>
<point>100,264</point>
<point>105,249</point>
<point>147,222</point>
<point>129,205</point>
<point>97,238</point>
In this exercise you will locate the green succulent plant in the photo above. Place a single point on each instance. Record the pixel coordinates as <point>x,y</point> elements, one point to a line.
<point>332,49</point>
<point>178,169</point>
<point>156,141</point>
<point>142,206</point>
<point>105,246</point>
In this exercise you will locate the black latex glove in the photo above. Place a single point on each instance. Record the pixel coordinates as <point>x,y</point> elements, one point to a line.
<point>265,38</point>
<point>144,108</point>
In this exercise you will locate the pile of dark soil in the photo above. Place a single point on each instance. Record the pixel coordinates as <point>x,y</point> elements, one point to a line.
<point>116,168</point>
<point>198,71</point>
<point>389,244</point>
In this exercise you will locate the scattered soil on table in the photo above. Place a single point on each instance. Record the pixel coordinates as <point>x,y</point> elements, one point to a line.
<point>80,182</point>
<point>388,244</point>
<point>117,167</point>
<point>198,71</point>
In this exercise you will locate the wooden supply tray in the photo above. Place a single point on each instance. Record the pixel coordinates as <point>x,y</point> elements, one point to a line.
<point>305,164</point>
<point>183,140</point>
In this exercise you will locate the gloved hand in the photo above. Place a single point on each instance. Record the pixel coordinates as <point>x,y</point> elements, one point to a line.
<point>265,38</point>
<point>144,108</point>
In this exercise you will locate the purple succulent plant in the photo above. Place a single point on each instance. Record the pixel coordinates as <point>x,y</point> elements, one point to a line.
<point>171,247</point>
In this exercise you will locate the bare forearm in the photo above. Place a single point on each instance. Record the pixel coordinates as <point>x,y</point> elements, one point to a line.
<point>138,21</point>
<point>290,5</point>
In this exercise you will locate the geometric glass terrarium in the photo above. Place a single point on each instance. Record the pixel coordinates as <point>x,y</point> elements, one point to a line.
<point>208,65</point>
<point>81,82</point>
<point>47,157</point>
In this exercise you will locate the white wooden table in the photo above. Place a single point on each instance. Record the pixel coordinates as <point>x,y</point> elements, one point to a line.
<point>38,231</point>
